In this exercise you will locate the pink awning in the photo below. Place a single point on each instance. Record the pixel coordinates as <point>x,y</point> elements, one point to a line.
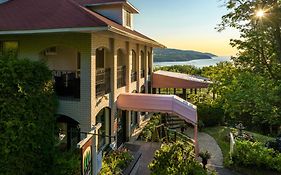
<point>158,103</point>
<point>165,79</point>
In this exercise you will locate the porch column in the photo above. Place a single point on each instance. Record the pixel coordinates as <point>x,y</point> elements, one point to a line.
<point>195,91</point>
<point>128,125</point>
<point>128,66</point>
<point>113,58</point>
<point>146,57</point>
<point>175,91</point>
<point>138,65</point>
<point>151,66</point>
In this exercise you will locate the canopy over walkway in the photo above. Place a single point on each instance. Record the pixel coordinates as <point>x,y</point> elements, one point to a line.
<point>160,103</point>
<point>165,79</point>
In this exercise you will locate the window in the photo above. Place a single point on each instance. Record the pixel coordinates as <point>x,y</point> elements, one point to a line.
<point>8,47</point>
<point>128,19</point>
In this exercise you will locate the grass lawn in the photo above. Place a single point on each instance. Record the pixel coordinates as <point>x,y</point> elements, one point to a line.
<point>221,135</point>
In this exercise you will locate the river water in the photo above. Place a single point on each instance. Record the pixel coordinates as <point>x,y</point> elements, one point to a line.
<point>197,63</point>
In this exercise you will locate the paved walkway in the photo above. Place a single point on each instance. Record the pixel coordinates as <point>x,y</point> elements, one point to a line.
<point>147,149</point>
<point>208,143</point>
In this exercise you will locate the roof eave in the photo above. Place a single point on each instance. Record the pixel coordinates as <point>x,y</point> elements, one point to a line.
<point>124,33</point>
<point>132,8</point>
<point>57,30</point>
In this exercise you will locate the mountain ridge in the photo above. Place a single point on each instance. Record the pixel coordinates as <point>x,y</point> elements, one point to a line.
<point>174,55</point>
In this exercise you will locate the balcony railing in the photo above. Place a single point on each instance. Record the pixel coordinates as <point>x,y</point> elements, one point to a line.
<point>133,76</point>
<point>67,83</point>
<point>121,76</point>
<point>149,71</point>
<point>103,83</point>
<point>142,73</point>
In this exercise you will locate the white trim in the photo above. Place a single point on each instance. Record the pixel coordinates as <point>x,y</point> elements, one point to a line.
<point>127,4</point>
<point>82,29</point>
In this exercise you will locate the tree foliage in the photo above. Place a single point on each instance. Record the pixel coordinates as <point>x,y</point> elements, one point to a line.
<point>27,107</point>
<point>260,37</point>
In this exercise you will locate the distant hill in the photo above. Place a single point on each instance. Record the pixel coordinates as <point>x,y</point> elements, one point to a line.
<point>171,55</point>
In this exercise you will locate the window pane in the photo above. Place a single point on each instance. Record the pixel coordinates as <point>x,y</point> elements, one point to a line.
<point>10,47</point>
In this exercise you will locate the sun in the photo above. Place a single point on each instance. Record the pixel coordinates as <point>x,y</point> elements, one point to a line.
<point>260,13</point>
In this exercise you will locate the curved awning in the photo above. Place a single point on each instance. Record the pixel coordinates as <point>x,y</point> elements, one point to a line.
<point>165,79</point>
<point>158,103</point>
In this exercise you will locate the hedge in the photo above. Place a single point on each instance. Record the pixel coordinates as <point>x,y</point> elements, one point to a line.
<point>27,107</point>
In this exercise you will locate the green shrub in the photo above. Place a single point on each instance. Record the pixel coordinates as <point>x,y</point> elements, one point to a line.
<point>115,162</point>
<point>67,163</point>
<point>255,154</point>
<point>210,114</point>
<point>176,158</point>
<point>27,107</point>
<point>149,132</point>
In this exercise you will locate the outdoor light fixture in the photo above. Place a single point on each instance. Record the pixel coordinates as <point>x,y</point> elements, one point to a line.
<point>260,13</point>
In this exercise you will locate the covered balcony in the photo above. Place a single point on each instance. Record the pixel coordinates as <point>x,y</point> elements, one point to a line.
<point>134,73</point>
<point>142,64</point>
<point>103,72</point>
<point>65,65</point>
<point>121,69</point>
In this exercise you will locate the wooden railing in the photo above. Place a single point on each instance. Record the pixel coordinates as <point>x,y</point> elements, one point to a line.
<point>121,76</point>
<point>170,135</point>
<point>103,82</point>
<point>134,76</point>
<point>142,73</point>
<point>67,83</point>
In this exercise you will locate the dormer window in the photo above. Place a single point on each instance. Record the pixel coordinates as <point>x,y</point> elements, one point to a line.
<point>127,18</point>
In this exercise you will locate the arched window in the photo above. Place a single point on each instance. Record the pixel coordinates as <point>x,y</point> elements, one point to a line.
<point>142,64</point>
<point>121,69</point>
<point>103,117</point>
<point>134,67</point>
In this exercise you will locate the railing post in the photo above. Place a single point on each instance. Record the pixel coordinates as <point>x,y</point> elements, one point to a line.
<point>196,140</point>
<point>232,143</point>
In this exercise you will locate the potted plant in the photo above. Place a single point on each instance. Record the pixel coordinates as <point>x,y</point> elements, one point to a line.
<point>205,156</point>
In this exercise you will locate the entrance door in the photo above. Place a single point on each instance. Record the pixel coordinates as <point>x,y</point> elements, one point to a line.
<point>121,131</point>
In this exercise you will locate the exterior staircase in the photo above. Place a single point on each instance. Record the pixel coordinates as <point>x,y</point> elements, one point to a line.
<point>173,122</point>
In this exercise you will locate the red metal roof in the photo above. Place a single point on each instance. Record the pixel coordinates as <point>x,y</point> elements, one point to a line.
<point>22,15</point>
<point>85,2</point>
<point>165,79</point>
<point>45,14</point>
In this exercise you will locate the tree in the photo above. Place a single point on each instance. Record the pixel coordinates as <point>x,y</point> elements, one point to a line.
<point>27,107</point>
<point>260,37</point>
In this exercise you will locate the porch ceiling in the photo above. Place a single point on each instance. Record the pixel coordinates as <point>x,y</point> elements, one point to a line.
<point>158,103</point>
<point>165,79</point>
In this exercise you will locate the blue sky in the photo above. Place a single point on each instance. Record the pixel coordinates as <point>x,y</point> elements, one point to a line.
<point>185,24</point>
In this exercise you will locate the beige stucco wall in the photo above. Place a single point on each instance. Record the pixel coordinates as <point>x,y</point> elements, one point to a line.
<point>30,47</point>
<point>85,110</point>
<point>113,44</point>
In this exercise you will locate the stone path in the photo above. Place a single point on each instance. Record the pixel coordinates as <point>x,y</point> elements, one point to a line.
<point>147,149</point>
<point>208,143</point>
